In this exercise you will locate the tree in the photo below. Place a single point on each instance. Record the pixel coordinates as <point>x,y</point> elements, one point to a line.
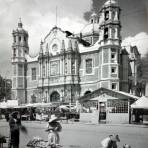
<point>5,89</point>
<point>145,67</point>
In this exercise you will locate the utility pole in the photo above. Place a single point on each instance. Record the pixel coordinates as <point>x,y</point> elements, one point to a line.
<point>5,88</point>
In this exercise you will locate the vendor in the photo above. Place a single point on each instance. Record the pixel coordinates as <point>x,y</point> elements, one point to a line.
<point>53,128</point>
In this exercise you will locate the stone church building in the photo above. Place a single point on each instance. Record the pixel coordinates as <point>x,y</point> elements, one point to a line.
<point>69,65</point>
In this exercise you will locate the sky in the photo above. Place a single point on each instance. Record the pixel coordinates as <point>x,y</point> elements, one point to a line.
<point>38,18</point>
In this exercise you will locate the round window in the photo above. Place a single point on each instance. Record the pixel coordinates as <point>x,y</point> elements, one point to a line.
<point>54,47</point>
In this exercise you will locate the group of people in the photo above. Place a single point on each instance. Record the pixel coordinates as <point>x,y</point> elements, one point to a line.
<point>111,142</point>
<point>53,129</point>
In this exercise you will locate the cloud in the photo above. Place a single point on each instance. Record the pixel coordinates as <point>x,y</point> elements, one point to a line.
<point>38,30</point>
<point>134,15</point>
<point>140,40</point>
<point>38,18</point>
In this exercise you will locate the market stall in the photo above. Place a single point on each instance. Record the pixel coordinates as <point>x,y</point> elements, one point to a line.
<point>140,110</point>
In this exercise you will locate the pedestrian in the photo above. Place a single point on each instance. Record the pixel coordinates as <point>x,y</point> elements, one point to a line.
<point>15,126</point>
<point>53,129</point>
<point>110,141</point>
<point>53,122</point>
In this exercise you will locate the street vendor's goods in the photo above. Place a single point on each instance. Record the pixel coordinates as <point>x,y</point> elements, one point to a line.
<point>37,142</point>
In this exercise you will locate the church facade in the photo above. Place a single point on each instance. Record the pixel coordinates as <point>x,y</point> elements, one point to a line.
<point>69,65</point>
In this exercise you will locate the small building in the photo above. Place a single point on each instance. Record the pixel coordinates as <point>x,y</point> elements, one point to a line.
<point>106,105</point>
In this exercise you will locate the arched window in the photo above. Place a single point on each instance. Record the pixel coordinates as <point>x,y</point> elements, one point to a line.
<point>87,92</point>
<point>113,15</point>
<point>113,33</point>
<point>14,52</point>
<point>33,98</point>
<point>89,66</point>
<point>15,39</point>
<point>24,39</point>
<point>43,71</point>
<point>55,97</point>
<point>106,33</point>
<point>106,15</point>
<point>19,38</point>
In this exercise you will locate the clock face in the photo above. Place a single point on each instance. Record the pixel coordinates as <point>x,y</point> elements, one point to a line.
<point>54,47</point>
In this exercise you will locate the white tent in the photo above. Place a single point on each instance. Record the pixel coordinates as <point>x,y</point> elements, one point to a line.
<point>9,104</point>
<point>141,103</point>
<point>39,105</point>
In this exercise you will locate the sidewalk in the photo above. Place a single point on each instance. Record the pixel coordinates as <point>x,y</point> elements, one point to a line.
<point>116,124</point>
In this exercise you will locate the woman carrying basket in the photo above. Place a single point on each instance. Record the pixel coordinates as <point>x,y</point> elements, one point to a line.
<point>53,136</point>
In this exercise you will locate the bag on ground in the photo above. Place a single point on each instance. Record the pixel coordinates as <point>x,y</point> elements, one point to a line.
<point>105,142</point>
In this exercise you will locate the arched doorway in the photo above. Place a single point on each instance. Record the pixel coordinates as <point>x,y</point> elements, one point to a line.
<point>87,92</point>
<point>33,98</point>
<point>55,97</point>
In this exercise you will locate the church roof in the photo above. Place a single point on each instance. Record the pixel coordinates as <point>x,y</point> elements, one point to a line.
<point>20,28</point>
<point>93,14</point>
<point>109,92</point>
<point>110,2</point>
<point>141,103</point>
<point>83,49</point>
<point>124,52</point>
<point>134,49</point>
<point>90,28</point>
<point>30,58</point>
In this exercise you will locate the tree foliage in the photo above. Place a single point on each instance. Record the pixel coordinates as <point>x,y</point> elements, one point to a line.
<point>5,89</point>
<point>145,67</point>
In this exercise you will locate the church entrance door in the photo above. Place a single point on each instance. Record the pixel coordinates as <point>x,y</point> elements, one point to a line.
<point>102,111</point>
<point>55,97</point>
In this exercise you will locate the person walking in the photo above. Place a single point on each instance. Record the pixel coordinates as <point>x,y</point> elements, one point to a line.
<point>15,126</point>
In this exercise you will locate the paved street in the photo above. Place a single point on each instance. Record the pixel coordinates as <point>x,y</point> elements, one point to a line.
<point>85,135</point>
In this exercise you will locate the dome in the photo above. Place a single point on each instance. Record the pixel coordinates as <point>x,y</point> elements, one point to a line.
<point>90,28</point>
<point>20,28</point>
<point>93,14</point>
<point>110,2</point>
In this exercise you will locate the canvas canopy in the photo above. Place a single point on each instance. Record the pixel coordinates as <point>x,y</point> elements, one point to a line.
<point>39,105</point>
<point>141,103</point>
<point>9,104</point>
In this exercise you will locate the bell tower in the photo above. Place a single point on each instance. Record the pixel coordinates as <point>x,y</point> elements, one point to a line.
<point>110,43</point>
<point>110,26</point>
<point>93,18</point>
<point>19,50</point>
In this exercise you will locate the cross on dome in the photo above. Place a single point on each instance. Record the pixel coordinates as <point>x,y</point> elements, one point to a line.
<point>20,25</point>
